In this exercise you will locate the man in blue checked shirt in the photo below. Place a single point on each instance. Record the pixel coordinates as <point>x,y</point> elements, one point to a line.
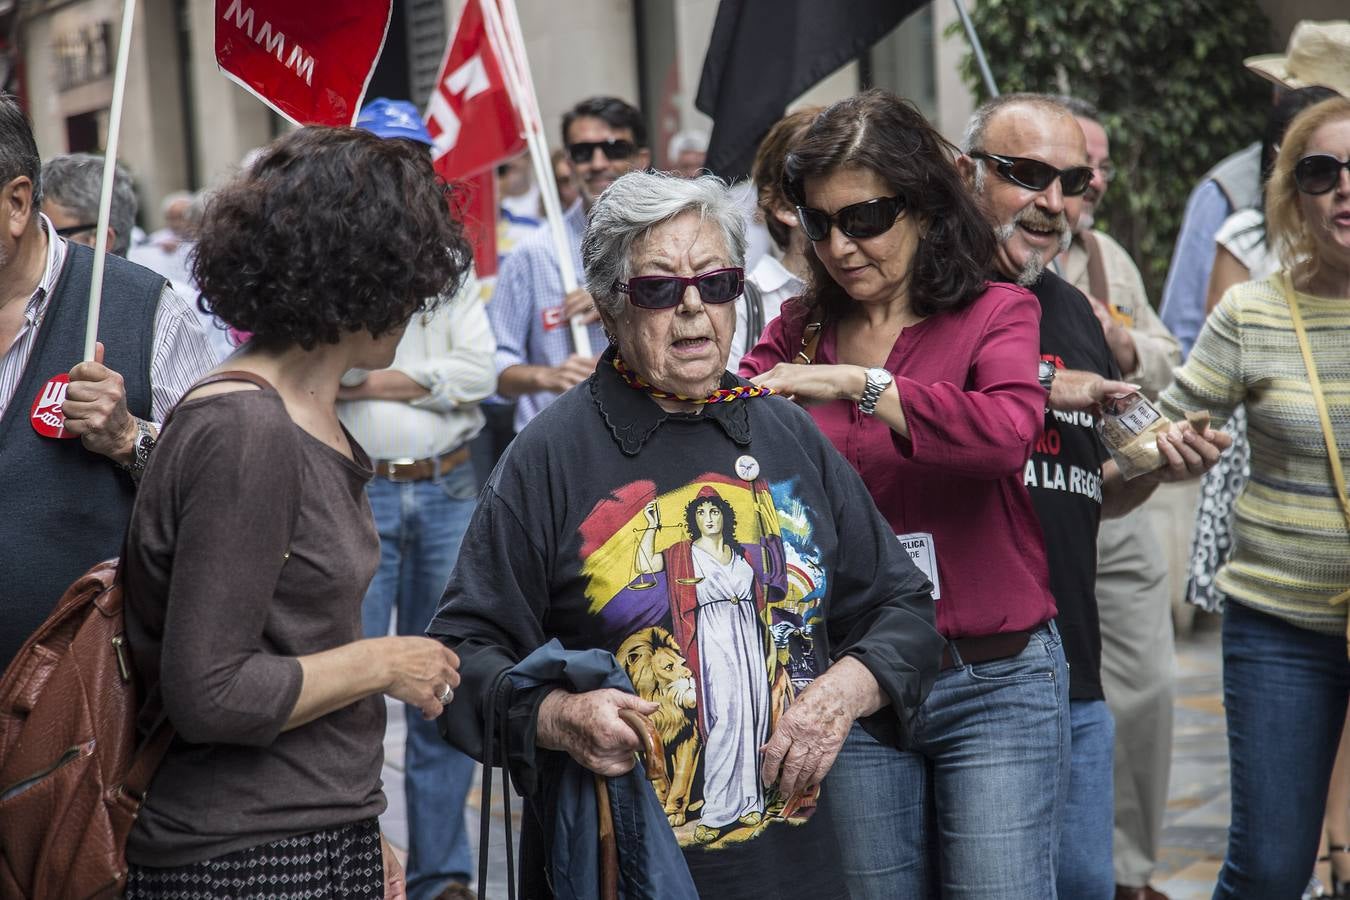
<point>604,138</point>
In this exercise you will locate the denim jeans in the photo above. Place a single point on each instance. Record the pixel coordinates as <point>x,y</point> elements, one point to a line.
<point>972,809</point>
<point>1086,871</point>
<point>421,525</point>
<point>1284,694</point>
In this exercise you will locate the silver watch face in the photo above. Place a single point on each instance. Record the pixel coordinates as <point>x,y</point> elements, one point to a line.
<point>880,377</point>
<point>1045,373</point>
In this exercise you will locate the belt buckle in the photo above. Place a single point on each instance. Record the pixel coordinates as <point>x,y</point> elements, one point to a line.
<point>395,464</point>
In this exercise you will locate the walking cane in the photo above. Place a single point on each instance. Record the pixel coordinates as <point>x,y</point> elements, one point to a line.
<point>654,759</point>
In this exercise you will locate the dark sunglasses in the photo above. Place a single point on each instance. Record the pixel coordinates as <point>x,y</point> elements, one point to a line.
<point>1035,175</point>
<point>666,291</point>
<point>857,220</point>
<point>75,229</point>
<point>1318,173</point>
<point>614,148</point>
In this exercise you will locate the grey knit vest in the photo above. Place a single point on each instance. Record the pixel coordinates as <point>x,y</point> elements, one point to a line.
<point>63,508</point>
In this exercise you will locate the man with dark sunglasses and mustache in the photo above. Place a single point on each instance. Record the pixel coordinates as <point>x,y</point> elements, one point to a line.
<point>604,138</point>
<point>1025,157</point>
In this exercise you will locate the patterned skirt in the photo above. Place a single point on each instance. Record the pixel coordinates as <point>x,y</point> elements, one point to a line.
<point>1213,540</point>
<point>343,862</point>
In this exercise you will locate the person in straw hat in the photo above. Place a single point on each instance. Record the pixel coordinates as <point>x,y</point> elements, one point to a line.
<point>1316,56</point>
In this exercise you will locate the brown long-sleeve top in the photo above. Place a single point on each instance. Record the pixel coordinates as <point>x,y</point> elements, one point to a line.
<point>251,544</point>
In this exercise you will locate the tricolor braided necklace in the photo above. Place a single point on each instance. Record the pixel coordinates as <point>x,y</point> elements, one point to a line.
<point>721,395</point>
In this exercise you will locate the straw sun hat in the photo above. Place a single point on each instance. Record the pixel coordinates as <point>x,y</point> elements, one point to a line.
<point>1318,54</point>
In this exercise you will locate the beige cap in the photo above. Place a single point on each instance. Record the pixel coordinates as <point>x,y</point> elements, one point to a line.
<point>1318,54</point>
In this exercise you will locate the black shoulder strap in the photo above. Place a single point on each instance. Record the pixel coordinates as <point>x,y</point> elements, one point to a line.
<point>754,314</point>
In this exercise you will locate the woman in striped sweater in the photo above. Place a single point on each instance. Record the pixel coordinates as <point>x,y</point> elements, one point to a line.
<point>1286,672</point>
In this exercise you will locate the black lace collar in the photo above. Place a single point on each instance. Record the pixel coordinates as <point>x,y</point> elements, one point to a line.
<point>632,416</point>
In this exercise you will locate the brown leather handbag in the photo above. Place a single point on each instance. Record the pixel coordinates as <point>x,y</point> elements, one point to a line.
<point>73,773</point>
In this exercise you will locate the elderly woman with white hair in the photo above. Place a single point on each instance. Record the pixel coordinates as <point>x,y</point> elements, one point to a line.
<point>704,532</point>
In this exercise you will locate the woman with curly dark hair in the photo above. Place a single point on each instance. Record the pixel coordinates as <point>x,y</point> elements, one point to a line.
<point>252,542</point>
<point>924,376</point>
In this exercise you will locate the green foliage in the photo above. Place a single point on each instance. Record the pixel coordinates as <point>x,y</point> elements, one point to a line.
<point>1168,78</point>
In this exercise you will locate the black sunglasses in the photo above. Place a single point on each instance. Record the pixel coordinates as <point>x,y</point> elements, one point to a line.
<point>1318,173</point>
<point>1035,175</point>
<point>666,291</point>
<point>857,220</point>
<point>614,148</point>
<point>74,229</point>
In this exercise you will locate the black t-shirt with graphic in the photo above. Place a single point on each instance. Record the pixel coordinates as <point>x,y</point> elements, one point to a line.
<point>725,559</point>
<point>1064,476</point>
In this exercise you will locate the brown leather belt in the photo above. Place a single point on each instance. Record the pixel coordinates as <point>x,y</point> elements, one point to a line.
<point>985,648</point>
<point>420,469</point>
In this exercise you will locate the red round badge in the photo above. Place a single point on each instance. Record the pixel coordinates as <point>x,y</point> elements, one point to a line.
<point>46,416</point>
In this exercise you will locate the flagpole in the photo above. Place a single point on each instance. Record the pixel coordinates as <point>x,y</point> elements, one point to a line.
<point>516,66</point>
<point>976,48</point>
<point>109,173</point>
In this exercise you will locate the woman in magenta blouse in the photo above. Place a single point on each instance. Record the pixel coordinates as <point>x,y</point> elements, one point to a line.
<point>924,376</point>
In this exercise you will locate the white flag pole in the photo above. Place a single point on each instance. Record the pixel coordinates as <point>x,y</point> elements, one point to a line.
<point>109,172</point>
<point>504,29</point>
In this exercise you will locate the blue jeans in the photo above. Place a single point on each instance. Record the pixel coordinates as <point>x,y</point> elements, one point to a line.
<point>421,525</point>
<point>1284,693</point>
<point>1086,871</point>
<point>972,809</point>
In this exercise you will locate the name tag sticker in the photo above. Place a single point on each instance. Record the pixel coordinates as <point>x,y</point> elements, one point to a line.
<point>919,546</point>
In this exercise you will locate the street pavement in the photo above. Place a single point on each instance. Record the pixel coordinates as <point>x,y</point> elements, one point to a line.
<point>1197,815</point>
<point>1195,830</point>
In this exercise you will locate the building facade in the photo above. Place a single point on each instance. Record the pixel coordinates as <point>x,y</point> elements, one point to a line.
<point>185,126</point>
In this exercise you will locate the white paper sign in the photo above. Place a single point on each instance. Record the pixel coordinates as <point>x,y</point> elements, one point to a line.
<point>919,546</point>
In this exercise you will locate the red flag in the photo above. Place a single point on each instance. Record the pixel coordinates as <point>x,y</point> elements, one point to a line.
<point>474,121</point>
<point>478,214</point>
<point>471,115</point>
<point>310,60</point>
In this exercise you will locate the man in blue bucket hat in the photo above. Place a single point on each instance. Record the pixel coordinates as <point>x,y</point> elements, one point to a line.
<point>415,419</point>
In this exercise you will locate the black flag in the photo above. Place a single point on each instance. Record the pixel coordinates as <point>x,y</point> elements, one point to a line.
<point>765,53</point>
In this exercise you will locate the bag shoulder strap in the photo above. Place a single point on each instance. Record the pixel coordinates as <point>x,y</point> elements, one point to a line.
<point>1320,401</point>
<point>233,375</point>
<point>1098,286</point>
<point>148,758</point>
<point>754,314</point>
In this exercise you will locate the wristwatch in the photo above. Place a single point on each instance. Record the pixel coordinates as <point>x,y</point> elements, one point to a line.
<point>140,450</point>
<point>1045,374</point>
<point>877,381</point>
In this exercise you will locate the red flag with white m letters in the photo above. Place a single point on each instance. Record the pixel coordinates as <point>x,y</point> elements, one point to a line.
<point>310,60</point>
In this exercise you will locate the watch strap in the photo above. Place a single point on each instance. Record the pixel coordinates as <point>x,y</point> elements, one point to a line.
<point>867,403</point>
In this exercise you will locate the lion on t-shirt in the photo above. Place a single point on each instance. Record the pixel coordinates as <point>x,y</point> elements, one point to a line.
<point>659,673</point>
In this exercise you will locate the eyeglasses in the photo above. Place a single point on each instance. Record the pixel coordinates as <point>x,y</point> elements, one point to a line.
<point>665,291</point>
<point>70,230</point>
<point>614,148</point>
<point>857,220</point>
<point>1318,173</point>
<point>1035,175</point>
